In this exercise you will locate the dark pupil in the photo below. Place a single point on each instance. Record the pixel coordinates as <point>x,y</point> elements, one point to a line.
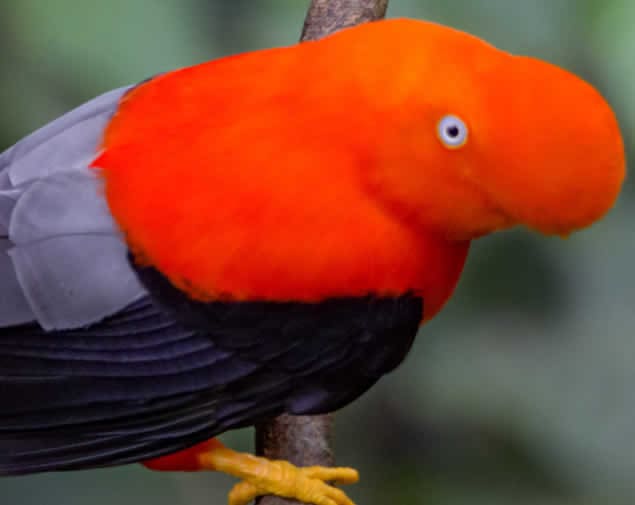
<point>452,131</point>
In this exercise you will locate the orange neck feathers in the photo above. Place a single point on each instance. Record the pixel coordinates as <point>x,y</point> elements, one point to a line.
<point>320,170</point>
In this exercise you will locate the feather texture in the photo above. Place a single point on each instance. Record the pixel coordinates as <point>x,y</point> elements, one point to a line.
<point>14,307</point>
<point>75,280</point>
<point>69,143</point>
<point>141,384</point>
<point>62,257</point>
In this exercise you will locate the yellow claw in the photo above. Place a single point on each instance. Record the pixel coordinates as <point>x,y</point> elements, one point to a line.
<point>265,477</point>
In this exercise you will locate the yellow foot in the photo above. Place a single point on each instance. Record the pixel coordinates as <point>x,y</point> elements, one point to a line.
<point>264,477</point>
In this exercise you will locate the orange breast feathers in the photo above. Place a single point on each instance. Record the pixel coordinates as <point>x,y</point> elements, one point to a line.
<point>320,169</point>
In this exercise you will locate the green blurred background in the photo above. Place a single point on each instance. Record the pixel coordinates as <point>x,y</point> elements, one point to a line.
<point>520,392</point>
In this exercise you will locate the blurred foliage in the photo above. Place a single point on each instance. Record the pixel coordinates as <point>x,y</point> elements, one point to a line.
<point>520,391</point>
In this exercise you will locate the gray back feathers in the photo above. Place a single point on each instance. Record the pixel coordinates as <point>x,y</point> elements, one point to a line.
<point>62,261</point>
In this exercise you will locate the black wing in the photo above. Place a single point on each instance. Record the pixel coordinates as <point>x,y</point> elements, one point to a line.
<point>140,384</point>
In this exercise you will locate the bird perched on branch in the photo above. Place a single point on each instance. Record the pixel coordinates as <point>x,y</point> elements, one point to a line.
<point>265,233</point>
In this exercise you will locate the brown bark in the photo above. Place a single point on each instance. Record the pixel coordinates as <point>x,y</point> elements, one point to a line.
<point>302,440</point>
<point>305,440</point>
<point>328,16</point>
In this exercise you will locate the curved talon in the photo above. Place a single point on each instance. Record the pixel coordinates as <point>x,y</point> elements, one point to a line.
<point>261,476</point>
<point>242,493</point>
<point>340,475</point>
<point>304,484</point>
<point>264,477</point>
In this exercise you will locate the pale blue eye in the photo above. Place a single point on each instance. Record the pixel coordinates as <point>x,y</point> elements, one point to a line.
<point>452,131</point>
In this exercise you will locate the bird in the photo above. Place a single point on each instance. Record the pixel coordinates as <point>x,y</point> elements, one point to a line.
<point>266,233</point>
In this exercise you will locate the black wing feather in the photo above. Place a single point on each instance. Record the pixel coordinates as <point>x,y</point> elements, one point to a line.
<point>141,383</point>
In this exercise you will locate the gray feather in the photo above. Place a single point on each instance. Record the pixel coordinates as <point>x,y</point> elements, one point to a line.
<point>65,203</point>
<point>5,182</point>
<point>68,143</point>
<point>14,308</point>
<point>8,197</point>
<point>74,280</point>
<point>64,264</point>
<point>6,207</point>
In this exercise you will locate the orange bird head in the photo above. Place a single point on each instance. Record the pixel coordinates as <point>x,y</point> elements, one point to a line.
<point>472,139</point>
<point>362,162</point>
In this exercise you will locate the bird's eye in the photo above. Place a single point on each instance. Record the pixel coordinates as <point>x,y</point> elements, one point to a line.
<point>452,132</point>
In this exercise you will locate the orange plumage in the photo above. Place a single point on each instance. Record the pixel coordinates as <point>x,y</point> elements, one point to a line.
<point>293,215</point>
<point>313,171</point>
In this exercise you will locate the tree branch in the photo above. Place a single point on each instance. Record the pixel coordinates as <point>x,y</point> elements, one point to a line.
<point>328,16</point>
<point>305,440</point>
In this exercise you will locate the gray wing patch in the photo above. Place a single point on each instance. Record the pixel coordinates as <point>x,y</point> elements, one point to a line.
<point>62,204</point>
<point>62,260</point>
<point>14,308</point>
<point>68,143</point>
<point>8,197</point>
<point>75,280</point>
